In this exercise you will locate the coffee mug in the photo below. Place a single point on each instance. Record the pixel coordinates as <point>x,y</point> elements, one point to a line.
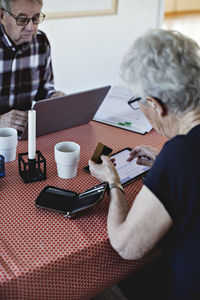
<point>8,143</point>
<point>67,156</point>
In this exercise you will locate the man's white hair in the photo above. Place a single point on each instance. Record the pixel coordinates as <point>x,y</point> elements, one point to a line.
<point>6,4</point>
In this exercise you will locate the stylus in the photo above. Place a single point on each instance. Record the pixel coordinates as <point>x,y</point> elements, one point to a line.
<point>100,189</point>
<point>146,157</point>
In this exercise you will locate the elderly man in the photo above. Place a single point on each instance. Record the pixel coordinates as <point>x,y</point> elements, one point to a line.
<point>163,69</point>
<point>26,69</point>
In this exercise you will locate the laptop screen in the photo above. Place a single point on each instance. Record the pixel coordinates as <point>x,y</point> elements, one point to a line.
<point>64,112</point>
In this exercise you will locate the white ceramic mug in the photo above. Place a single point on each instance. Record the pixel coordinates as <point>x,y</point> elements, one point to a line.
<point>67,156</point>
<point>8,143</point>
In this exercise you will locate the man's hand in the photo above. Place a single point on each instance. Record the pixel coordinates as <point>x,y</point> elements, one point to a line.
<point>57,94</point>
<point>15,119</point>
<point>145,155</point>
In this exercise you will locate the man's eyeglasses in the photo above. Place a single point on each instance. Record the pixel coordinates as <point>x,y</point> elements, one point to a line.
<point>134,103</point>
<point>23,21</point>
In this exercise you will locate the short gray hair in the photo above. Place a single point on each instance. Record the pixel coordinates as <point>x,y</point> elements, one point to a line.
<point>166,65</point>
<point>6,4</point>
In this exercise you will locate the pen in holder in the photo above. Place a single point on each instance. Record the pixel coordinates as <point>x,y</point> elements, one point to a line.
<point>32,169</point>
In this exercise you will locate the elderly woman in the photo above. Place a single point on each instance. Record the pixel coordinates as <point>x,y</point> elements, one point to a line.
<point>163,69</point>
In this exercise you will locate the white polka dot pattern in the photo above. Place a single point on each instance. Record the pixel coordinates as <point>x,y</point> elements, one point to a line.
<point>44,256</point>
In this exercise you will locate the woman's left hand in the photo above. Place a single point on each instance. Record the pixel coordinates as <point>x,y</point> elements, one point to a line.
<point>105,171</point>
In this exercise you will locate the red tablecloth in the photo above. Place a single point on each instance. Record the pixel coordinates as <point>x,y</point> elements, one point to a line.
<point>46,256</point>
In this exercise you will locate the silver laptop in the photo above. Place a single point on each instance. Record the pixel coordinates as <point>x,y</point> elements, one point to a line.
<point>67,111</point>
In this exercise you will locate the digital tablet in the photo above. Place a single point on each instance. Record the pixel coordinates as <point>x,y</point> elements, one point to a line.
<point>128,171</point>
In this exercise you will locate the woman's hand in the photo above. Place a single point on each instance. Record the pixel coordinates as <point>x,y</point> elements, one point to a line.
<point>105,171</point>
<point>145,155</point>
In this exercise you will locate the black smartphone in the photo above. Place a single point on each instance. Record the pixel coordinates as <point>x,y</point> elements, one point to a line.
<point>128,171</point>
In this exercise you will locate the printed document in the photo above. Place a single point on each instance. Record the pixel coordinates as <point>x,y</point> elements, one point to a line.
<point>115,111</point>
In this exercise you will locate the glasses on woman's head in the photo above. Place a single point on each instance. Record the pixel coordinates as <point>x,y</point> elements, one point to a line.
<point>23,21</point>
<point>134,102</point>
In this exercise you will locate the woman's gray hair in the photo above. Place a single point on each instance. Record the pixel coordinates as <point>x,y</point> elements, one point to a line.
<point>166,65</point>
<point>6,4</point>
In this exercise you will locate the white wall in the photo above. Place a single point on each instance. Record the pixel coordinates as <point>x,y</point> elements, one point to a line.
<point>87,51</point>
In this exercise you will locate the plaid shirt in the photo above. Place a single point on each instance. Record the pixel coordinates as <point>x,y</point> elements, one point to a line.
<point>25,72</point>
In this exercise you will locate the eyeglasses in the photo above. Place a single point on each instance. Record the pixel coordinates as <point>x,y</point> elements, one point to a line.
<point>23,21</point>
<point>134,103</point>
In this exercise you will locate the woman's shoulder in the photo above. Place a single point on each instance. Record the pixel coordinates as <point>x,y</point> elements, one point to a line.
<point>183,144</point>
<point>173,146</point>
<point>179,153</point>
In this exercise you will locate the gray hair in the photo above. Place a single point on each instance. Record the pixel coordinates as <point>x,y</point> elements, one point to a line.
<point>6,4</point>
<point>166,65</point>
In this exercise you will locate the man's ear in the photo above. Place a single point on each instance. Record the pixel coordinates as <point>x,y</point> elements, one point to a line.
<point>157,106</point>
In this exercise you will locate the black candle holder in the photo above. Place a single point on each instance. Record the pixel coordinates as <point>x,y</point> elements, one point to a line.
<point>32,169</point>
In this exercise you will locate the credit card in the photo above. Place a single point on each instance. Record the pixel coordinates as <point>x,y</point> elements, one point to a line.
<point>100,149</point>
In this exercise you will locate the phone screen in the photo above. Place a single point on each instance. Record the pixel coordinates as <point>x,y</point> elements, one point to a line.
<point>128,171</point>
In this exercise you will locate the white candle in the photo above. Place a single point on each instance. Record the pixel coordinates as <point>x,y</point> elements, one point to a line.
<point>31,134</point>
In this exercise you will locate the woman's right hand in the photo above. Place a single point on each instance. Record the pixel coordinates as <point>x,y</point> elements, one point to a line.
<point>105,171</point>
<point>145,155</point>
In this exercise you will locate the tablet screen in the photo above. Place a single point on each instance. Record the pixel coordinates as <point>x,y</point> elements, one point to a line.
<point>127,170</point>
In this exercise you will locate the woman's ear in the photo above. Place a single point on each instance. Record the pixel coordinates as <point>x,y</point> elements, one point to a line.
<point>157,106</point>
<point>1,14</point>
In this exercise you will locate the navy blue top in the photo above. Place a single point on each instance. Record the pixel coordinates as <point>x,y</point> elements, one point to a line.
<point>175,179</point>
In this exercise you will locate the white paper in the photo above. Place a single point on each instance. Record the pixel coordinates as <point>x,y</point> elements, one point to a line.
<point>115,110</point>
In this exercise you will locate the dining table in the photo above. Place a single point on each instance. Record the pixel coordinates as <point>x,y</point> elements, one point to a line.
<point>47,256</point>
